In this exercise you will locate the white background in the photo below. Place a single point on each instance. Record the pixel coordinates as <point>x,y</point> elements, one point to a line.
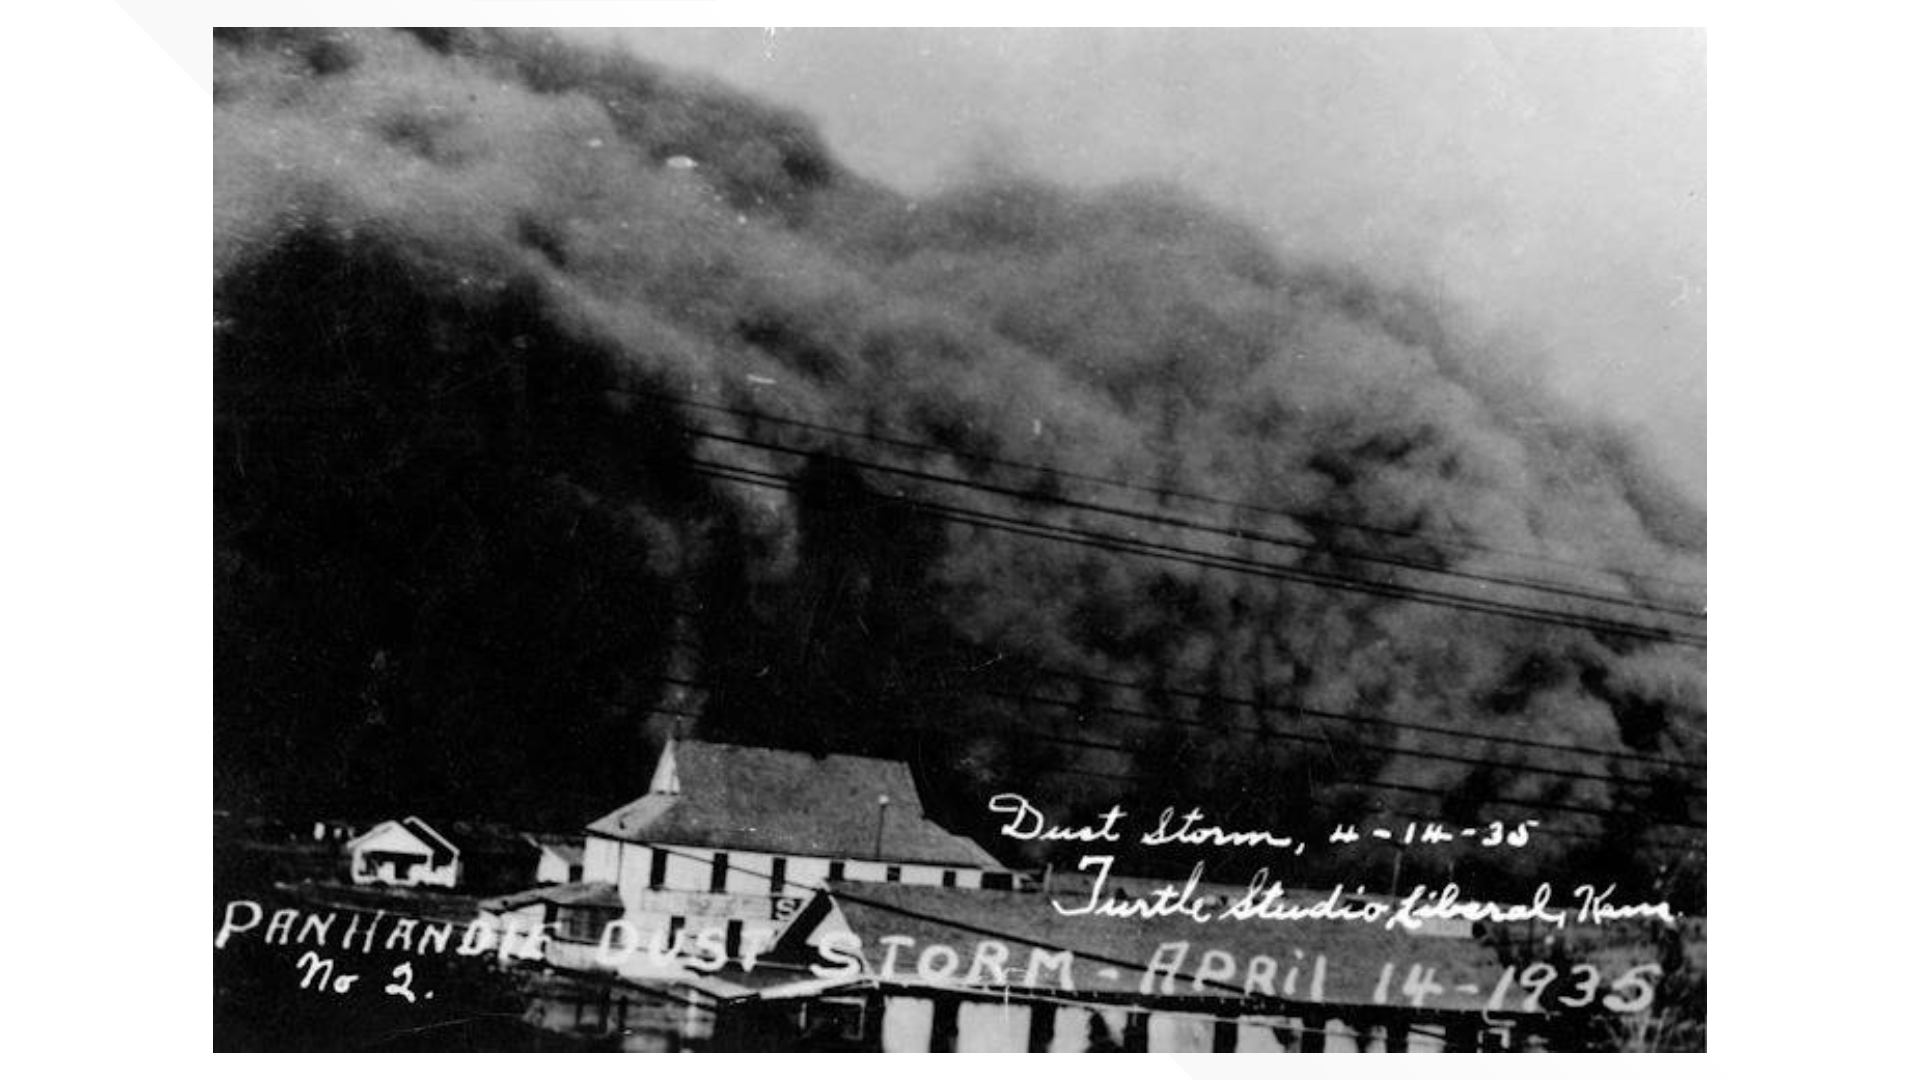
<point>105,436</point>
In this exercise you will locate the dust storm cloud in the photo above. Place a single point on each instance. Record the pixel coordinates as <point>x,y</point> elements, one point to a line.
<point>482,300</point>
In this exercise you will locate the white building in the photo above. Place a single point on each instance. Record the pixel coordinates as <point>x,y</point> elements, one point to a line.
<point>729,841</point>
<point>471,857</point>
<point>882,967</point>
<point>403,852</point>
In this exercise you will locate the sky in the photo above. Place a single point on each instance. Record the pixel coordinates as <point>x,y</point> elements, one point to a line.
<point>1551,183</point>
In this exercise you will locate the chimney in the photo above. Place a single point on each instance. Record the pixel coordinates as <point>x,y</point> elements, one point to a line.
<point>880,827</point>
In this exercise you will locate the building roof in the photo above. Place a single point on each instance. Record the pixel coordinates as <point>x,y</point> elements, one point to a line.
<point>787,802</point>
<point>443,850</point>
<point>1110,954</point>
<point>570,853</point>
<point>600,894</point>
<point>430,904</point>
<point>432,837</point>
<point>479,839</point>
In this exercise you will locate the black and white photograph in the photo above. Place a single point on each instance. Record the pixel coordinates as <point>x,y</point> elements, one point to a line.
<point>918,540</point>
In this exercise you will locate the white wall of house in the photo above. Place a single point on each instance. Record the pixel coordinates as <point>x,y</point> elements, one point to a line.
<point>634,864</point>
<point>748,912</point>
<point>445,877</point>
<point>749,873</point>
<point>990,1027</point>
<point>807,872</point>
<point>602,859</point>
<point>686,874</point>
<point>553,868</point>
<point>866,871</point>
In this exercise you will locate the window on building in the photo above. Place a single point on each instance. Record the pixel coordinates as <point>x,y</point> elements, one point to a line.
<point>893,873</point>
<point>777,880</point>
<point>836,871</point>
<point>949,878</point>
<point>734,930</point>
<point>719,882</point>
<point>574,871</point>
<point>996,880</point>
<point>834,1022</point>
<point>675,925</point>
<point>657,869</point>
<point>583,923</point>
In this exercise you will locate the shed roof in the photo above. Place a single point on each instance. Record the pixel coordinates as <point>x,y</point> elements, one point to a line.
<point>488,839</point>
<point>1109,954</point>
<point>600,894</point>
<point>443,850</point>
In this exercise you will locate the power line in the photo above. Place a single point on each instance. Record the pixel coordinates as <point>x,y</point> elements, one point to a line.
<point>1535,804</point>
<point>1383,785</point>
<point>309,404</point>
<point>1324,739</point>
<point>1151,489</point>
<point>1190,557</point>
<point>1310,546</point>
<point>1260,707</point>
<point>1327,714</point>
